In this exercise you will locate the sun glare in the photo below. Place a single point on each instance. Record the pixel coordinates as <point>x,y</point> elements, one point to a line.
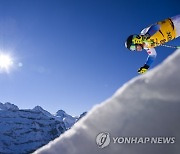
<point>5,62</point>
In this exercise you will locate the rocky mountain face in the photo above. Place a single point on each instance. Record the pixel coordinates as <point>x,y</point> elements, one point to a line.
<point>23,131</point>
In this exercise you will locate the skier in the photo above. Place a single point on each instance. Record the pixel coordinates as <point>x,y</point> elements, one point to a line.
<point>153,36</point>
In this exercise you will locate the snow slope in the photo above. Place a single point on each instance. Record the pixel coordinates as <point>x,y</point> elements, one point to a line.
<point>146,106</point>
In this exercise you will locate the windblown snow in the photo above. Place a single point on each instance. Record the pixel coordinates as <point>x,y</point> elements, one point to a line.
<point>147,106</point>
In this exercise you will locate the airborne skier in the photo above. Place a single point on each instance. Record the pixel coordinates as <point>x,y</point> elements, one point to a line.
<point>153,36</point>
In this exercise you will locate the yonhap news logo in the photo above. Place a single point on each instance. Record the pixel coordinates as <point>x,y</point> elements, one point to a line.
<point>103,139</point>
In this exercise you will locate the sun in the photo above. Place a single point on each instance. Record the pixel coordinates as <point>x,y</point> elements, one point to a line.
<point>6,62</point>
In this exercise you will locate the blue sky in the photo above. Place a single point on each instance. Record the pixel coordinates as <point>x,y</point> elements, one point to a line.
<point>72,51</point>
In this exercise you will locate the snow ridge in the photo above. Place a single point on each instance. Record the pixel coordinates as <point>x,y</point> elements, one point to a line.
<point>148,105</point>
<point>8,106</point>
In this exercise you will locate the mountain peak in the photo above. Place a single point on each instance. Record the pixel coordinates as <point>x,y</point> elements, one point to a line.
<point>61,113</point>
<point>40,109</point>
<point>8,106</point>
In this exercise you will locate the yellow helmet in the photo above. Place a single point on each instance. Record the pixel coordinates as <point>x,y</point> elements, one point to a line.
<point>133,40</point>
<point>137,39</point>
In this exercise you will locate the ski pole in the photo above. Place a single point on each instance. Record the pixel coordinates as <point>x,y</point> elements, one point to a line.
<point>164,45</point>
<point>170,46</point>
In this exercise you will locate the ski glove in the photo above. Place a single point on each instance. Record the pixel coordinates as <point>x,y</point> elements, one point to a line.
<point>143,69</point>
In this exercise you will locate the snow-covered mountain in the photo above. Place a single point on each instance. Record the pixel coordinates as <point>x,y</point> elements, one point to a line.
<point>40,109</point>
<point>8,106</point>
<point>82,115</point>
<point>147,106</point>
<point>66,118</point>
<point>23,131</point>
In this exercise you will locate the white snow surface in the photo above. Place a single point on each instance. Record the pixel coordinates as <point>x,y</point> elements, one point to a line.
<point>146,106</point>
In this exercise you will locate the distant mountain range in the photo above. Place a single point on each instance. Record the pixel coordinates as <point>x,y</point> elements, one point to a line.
<point>23,131</point>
